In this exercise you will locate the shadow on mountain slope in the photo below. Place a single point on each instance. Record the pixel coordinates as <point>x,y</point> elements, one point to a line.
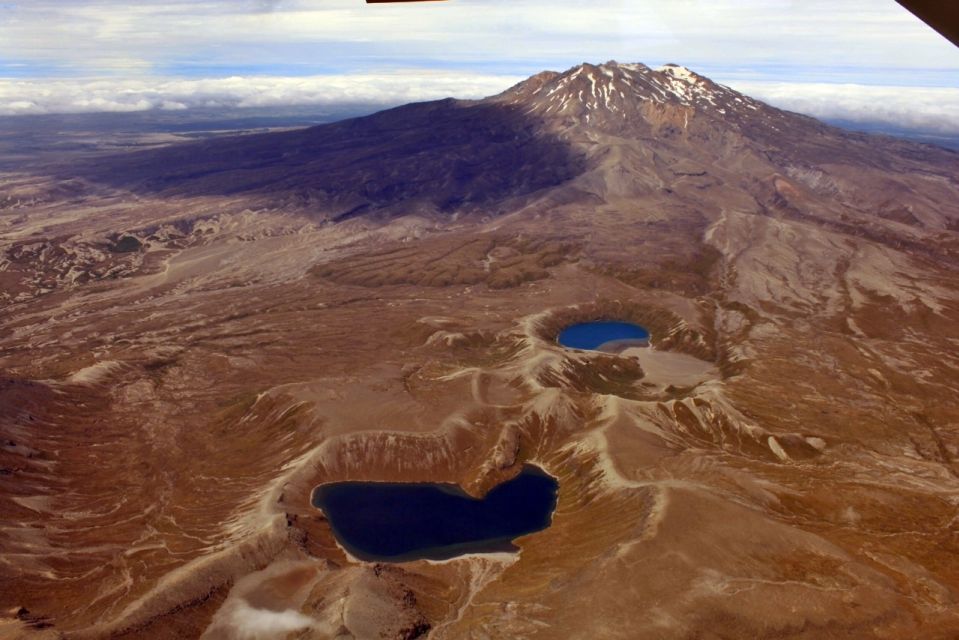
<point>445,153</point>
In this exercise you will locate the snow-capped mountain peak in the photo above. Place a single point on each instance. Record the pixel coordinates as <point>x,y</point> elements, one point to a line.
<point>615,92</point>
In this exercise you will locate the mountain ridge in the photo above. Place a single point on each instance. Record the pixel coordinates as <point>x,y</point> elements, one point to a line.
<point>472,156</point>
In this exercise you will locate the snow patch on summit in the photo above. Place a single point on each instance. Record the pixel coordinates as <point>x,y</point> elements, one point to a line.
<point>679,72</point>
<point>611,93</point>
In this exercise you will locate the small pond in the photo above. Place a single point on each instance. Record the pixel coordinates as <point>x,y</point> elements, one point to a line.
<point>394,521</point>
<point>603,335</point>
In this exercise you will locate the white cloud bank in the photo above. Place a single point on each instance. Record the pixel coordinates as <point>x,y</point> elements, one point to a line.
<point>926,109</point>
<point>243,622</point>
<point>111,95</point>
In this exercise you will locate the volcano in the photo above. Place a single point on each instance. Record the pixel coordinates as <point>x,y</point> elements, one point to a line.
<point>197,334</point>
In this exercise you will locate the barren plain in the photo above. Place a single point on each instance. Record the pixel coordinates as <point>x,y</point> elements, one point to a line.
<point>195,335</point>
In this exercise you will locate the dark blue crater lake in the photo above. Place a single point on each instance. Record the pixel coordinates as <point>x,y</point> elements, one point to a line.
<point>596,335</point>
<point>392,521</point>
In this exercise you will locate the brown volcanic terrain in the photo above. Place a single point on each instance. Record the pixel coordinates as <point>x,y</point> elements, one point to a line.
<point>193,337</point>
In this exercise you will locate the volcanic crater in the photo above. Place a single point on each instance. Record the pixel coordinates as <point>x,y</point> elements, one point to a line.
<point>378,300</point>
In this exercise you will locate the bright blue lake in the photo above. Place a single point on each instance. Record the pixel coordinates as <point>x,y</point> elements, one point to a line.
<point>392,521</point>
<point>594,335</point>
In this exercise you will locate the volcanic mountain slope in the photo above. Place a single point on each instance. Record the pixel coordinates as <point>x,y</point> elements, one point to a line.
<point>196,336</point>
<point>452,153</point>
<point>439,154</point>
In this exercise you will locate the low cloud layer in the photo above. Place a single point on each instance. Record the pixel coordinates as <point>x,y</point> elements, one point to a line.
<point>922,109</point>
<point>243,622</point>
<point>926,109</point>
<point>88,96</point>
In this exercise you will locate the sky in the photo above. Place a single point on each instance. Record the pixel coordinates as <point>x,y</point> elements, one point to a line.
<point>857,60</point>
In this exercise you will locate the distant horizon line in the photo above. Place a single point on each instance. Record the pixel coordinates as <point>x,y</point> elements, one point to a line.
<point>926,109</point>
<point>773,72</point>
